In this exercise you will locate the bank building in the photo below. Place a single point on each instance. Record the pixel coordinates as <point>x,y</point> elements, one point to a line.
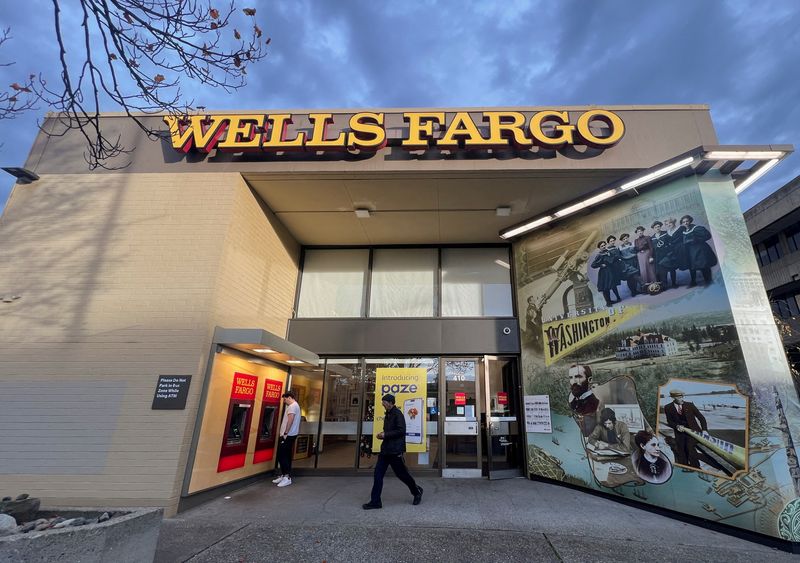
<point>153,312</point>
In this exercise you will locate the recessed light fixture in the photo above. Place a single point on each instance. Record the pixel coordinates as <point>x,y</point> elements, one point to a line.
<point>747,182</point>
<point>655,174</point>
<point>503,211</point>
<point>264,350</point>
<point>585,203</point>
<point>362,213</point>
<point>295,362</point>
<point>527,227</point>
<point>743,155</point>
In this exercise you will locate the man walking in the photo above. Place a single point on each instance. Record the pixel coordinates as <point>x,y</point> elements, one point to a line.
<point>290,427</point>
<point>392,449</point>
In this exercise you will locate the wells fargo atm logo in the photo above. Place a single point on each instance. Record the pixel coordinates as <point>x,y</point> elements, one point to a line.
<point>365,131</point>
<point>564,336</point>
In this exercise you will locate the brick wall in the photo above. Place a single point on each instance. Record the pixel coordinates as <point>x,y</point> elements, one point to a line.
<point>120,278</point>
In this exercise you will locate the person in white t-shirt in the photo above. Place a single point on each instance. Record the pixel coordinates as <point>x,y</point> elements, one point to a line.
<point>290,427</point>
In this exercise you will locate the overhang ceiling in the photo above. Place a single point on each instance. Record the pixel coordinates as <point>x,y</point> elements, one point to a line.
<point>417,208</point>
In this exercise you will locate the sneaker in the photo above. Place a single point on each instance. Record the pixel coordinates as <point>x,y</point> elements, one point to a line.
<point>371,506</point>
<point>418,496</point>
<point>285,482</point>
<point>278,480</point>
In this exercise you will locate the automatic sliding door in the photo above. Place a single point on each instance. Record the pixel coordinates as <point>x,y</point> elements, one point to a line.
<point>461,401</point>
<point>503,452</point>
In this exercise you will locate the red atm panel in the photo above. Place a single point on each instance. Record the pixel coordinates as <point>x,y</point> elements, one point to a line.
<point>237,426</point>
<point>268,421</point>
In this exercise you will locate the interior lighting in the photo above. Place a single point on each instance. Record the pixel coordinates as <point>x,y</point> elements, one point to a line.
<point>362,213</point>
<point>743,155</point>
<point>655,174</point>
<point>264,350</point>
<point>747,182</point>
<point>503,264</point>
<point>295,362</point>
<point>585,203</point>
<point>527,227</point>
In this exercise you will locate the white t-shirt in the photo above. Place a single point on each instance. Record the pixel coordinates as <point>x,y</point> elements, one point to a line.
<point>295,429</point>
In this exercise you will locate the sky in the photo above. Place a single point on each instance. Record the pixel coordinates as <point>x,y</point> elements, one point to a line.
<point>739,57</point>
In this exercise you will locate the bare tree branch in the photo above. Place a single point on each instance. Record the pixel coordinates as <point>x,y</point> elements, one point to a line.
<point>134,55</point>
<point>19,98</point>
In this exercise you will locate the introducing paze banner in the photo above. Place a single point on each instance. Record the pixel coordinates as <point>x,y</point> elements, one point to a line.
<point>409,386</point>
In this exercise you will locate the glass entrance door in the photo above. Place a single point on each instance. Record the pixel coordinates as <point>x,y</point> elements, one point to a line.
<point>461,406</point>
<point>500,418</point>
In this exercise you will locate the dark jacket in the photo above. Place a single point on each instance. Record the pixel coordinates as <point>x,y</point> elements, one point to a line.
<point>698,251</point>
<point>394,432</point>
<point>694,420</point>
<point>606,278</point>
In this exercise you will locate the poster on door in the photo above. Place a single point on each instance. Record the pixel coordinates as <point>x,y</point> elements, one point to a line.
<point>409,386</point>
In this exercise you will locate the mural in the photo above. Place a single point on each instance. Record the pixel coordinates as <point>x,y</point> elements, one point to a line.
<point>647,325</point>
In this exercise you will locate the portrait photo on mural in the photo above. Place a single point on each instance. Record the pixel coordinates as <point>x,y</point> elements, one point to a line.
<point>628,329</point>
<point>705,425</point>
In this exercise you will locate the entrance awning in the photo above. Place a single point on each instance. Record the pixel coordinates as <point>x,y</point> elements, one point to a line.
<point>263,344</point>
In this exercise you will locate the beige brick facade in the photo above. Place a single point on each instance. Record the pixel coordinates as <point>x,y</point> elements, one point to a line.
<point>120,278</point>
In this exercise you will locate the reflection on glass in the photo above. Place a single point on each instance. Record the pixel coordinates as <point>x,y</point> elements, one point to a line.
<point>332,283</point>
<point>505,449</point>
<point>307,385</point>
<point>429,459</point>
<point>342,404</point>
<point>236,428</point>
<point>476,282</point>
<point>461,413</point>
<point>403,282</point>
<point>267,422</point>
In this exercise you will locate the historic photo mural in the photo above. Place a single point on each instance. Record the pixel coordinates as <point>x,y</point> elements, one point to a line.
<point>630,326</point>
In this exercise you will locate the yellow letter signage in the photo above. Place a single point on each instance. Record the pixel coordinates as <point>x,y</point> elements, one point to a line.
<point>365,131</point>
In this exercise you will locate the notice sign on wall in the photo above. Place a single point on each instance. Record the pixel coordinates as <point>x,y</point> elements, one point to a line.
<point>171,392</point>
<point>537,414</point>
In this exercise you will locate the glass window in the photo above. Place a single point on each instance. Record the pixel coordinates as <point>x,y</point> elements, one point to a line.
<point>338,439</point>
<point>793,238</point>
<point>476,282</point>
<point>333,283</point>
<point>403,282</point>
<point>768,251</point>
<point>429,459</point>
<point>307,385</point>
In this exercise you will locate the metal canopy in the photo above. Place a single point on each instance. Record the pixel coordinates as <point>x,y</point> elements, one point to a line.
<point>744,164</point>
<point>263,344</point>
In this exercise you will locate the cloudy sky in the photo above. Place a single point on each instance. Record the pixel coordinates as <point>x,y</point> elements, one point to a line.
<point>739,57</point>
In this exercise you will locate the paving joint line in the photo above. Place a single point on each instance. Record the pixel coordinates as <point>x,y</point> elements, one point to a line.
<point>223,538</point>
<point>558,555</point>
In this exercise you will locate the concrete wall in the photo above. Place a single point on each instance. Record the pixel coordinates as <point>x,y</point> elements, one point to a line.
<point>121,278</point>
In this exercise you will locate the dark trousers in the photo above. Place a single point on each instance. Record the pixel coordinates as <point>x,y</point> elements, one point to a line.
<point>706,275</point>
<point>686,454</point>
<point>399,467</point>
<point>285,449</point>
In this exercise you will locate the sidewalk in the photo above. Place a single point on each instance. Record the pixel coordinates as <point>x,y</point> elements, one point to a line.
<point>321,519</point>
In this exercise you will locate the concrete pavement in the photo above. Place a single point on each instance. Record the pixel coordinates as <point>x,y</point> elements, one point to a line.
<point>321,519</point>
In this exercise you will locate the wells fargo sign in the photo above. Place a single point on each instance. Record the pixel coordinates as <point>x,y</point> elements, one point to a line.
<point>365,131</point>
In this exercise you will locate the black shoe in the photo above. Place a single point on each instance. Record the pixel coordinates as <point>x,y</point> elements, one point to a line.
<point>371,506</point>
<point>418,496</point>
